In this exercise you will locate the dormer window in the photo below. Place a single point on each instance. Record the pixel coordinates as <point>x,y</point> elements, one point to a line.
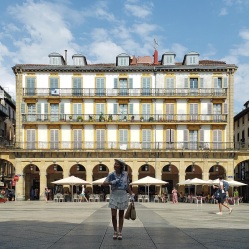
<point>168,58</point>
<point>56,59</point>
<point>123,60</point>
<point>191,58</point>
<point>79,60</point>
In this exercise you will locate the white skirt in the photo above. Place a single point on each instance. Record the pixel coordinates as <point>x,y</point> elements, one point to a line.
<point>118,199</point>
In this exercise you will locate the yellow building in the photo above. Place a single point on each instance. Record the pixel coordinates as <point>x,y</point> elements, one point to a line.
<point>170,120</point>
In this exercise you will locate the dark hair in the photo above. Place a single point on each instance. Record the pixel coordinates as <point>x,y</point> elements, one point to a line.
<point>220,177</point>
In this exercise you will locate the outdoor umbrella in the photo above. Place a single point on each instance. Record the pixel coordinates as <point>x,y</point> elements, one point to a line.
<point>234,183</point>
<point>194,181</point>
<point>99,181</point>
<point>71,180</point>
<point>147,181</point>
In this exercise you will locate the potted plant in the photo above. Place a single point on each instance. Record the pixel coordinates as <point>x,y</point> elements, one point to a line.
<point>101,117</point>
<point>79,118</point>
<point>110,117</point>
<point>151,119</point>
<point>142,119</point>
<point>132,118</point>
<point>125,118</point>
<point>70,117</point>
<point>90,118</point>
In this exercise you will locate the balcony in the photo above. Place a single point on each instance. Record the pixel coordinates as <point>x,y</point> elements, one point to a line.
<point>3,111</point>
<point>121,118</point>
<point>126,146</point>
<point>125,93</point>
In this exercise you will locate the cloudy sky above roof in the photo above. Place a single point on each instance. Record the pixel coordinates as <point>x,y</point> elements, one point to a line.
<point>32,29</point>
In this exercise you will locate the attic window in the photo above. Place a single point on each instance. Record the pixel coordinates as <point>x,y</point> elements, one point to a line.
<point>123,61</point>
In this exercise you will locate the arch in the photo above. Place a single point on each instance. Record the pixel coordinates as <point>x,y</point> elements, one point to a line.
<point>78,170</point>
<point>170,174</point>
<point>54,173</point>
<point>7,173</point>
<point>32,182</point>
<point>143,171</point>
<point>100,171</point>
<point>215,171</point>
<point>193,171</point>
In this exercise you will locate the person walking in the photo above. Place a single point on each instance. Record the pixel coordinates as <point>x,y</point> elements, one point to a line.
<point>174,196</point>
<point>119,182</point>
<point>46,194</point>
<point>222,196</point>
<point>236,196</point>
<point>82,195</point>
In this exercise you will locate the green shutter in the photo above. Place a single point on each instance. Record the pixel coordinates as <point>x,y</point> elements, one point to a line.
<point>115,83</point>
<point>130,83</point>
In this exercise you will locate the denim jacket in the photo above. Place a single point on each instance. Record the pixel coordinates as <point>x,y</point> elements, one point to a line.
<point>123,180</point>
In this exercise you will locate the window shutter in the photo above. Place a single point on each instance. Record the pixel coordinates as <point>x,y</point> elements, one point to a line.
<point>201,83</point>
<point>54,83</point>
<point>38,106</point>
<point>123,136</point>
<point>115,108</point>
<point>115,83</point>
<point>225,108</point>
<point>168,135</point>
<point>215,82</point>
<point>225,83</point>
<point>172,135</point>
<point>77,83</point>
<point>185,135</point>
<point>23,107</point>
<point>46,108</point>
<point>209,109</point>
<point>131,111</point>
<point>130,83</point>
<point>185,82</point>
<point>31,84</point>
<point>62,107</point>
<point>201,135</point>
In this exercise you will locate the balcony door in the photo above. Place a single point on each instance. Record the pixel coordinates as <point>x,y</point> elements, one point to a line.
<point>123,85</point>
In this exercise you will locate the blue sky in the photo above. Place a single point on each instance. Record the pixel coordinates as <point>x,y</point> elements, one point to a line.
<point>100,30</point>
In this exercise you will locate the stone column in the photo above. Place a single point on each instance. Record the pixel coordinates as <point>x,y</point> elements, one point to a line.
<point>19,191</point>
<point>43,184</point>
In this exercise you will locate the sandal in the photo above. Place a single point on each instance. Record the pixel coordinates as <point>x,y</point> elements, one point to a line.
<point>115,235</point>
<point>120,236</point>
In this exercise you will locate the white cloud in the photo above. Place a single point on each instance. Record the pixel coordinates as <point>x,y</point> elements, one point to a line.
<point>179,50</point>
<point>143,29</point>
<point>241,89</point>
<point>105,51</point>
<point>223,12</point>
<point>43,31</point>
<point>210,54</point>
<point>140,11</point>
<point>101,11</point>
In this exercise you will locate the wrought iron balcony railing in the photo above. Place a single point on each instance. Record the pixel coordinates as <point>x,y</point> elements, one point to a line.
<point>117,92</point>
<point>111,145</point>
<point>176,118</point>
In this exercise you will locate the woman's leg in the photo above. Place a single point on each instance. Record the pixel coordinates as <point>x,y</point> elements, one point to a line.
<point>121,220</point>
<point>114,219</point>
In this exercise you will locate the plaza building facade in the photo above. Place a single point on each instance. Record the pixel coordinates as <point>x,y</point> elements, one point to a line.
<point>7,135</point>
<point>166,119</point>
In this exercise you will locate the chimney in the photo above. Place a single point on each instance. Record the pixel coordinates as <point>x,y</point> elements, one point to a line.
<point>65,56</point>
<point>155,57</point>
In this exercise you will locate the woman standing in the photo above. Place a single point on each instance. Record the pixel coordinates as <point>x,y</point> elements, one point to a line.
<point>119,182</point>
<point>174,196</point>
